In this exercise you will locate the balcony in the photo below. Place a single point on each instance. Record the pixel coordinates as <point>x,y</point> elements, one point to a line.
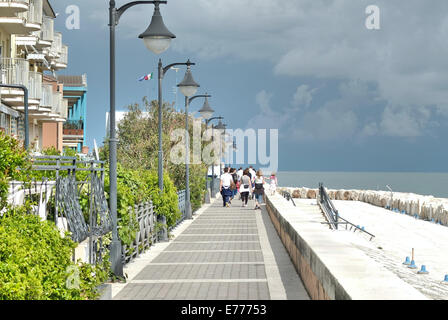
<point>9,8</point>
<point>55,50</point>
<point>35,86</point>
<point>33,17</point>
<point>13,25</point>
<point>61,62</point>
<point>13,71</point>
<point>47,96</point>
<point>74,128</point>
<point>46,34</point>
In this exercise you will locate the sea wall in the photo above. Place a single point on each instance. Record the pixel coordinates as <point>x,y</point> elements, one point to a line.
<point>330,267</point>
<point>419,206</point>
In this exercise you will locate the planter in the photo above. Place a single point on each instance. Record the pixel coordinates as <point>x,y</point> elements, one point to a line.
<point>73,132</point>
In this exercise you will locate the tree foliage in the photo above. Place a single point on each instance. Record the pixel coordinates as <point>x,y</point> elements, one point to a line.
<point>138,146</point>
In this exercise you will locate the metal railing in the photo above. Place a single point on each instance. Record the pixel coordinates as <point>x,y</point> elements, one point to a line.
<point>146,235</point>
<point>35,85</point>
<point>34,13</point>
<point>74,124</point>
<point>47,95</point>
<point>47,32</point>
<point>332,215</point>
<point>63,59</point>
<point>21,1</point>
<point>56,46</point>
<point>287,195</point>
<point>14,71</point>
<point>330,212</point>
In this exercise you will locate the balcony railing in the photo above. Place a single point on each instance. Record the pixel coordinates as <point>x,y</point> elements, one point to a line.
<point>73,128</point>
<point>47,95</point>
<point>57,102</point>
<point>14,71</point>
<point>19,2</point>
<point>47,32</point>
<point>63,59</point>
<point>35,85</point>
<point>34,13</point>
<point>13,1</point>
<point>74,124</point>
<point>56,47</point>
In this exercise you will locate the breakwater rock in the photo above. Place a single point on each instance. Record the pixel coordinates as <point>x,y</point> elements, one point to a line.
<point>418,206</point>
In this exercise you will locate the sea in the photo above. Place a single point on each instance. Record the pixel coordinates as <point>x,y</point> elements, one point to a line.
<point>434,184</point>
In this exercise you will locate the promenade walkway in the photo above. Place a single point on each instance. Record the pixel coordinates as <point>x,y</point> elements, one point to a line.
<point>222,254</point>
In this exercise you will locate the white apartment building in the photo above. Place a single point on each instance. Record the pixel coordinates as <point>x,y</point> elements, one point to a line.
<point>30,54</point>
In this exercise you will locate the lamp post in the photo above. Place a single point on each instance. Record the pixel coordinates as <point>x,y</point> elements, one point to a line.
<point>205,112</point>
<point>188,87</point>
<point>222,129</point>
<point>157,38</point>
<point>187,155</point>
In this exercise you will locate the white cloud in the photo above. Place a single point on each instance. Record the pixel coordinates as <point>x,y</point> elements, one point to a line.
<point>303,96</point>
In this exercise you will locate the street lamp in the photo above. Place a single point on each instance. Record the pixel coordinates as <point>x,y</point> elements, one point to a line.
<point>157,38</point>
<point>222,129</point>
<point>187,154</point>
<point>188,87</point>
<point>206,110</point>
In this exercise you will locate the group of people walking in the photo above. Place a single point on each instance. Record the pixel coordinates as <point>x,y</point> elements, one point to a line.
<point>249,183</point>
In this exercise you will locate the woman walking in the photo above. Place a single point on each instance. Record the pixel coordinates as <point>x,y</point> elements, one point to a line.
<point>273,183</point>
<point>245,187</point>
<point>259,189</point>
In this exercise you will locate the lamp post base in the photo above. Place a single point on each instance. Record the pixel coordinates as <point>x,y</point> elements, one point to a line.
<point>188,211</point>
<point>115,258</point>
<point>207,196</point>
<point>163,233</point>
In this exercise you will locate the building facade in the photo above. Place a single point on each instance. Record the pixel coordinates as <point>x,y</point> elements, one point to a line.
<point>75,92</point>
<point>31,52</point>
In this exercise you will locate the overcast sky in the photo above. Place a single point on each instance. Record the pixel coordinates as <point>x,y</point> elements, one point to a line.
<point>344,98</point>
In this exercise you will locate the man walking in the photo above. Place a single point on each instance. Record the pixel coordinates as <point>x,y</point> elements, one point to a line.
<point>225,187</point>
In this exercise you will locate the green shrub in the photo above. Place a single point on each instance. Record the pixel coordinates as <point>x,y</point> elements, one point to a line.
<point>135,187</point>
<point>34,260</point>
<point>12,157</point>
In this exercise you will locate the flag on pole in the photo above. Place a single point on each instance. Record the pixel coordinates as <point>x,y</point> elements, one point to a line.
<point>147,77</point>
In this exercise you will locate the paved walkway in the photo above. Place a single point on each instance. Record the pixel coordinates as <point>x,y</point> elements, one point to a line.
<point>222,254</point>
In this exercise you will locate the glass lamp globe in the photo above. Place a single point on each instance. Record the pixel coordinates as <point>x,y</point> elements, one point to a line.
<point>157,37</point>
<point>188,86</point>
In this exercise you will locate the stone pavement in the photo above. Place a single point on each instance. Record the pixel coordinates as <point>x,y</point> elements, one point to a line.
<point>222,254</point>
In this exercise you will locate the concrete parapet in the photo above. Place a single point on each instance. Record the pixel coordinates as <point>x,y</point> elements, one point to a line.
<point>425,207</point>
<point>330,267</point>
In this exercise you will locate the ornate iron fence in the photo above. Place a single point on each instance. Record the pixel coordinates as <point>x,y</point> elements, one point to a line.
<point>146,236</point>
<point>181,196</point>
<point>59,193</point>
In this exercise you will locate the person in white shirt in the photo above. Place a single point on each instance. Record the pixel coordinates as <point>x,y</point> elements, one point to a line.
<point>253,175</point>
<point>225,187</point>
<point>240,173</point>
